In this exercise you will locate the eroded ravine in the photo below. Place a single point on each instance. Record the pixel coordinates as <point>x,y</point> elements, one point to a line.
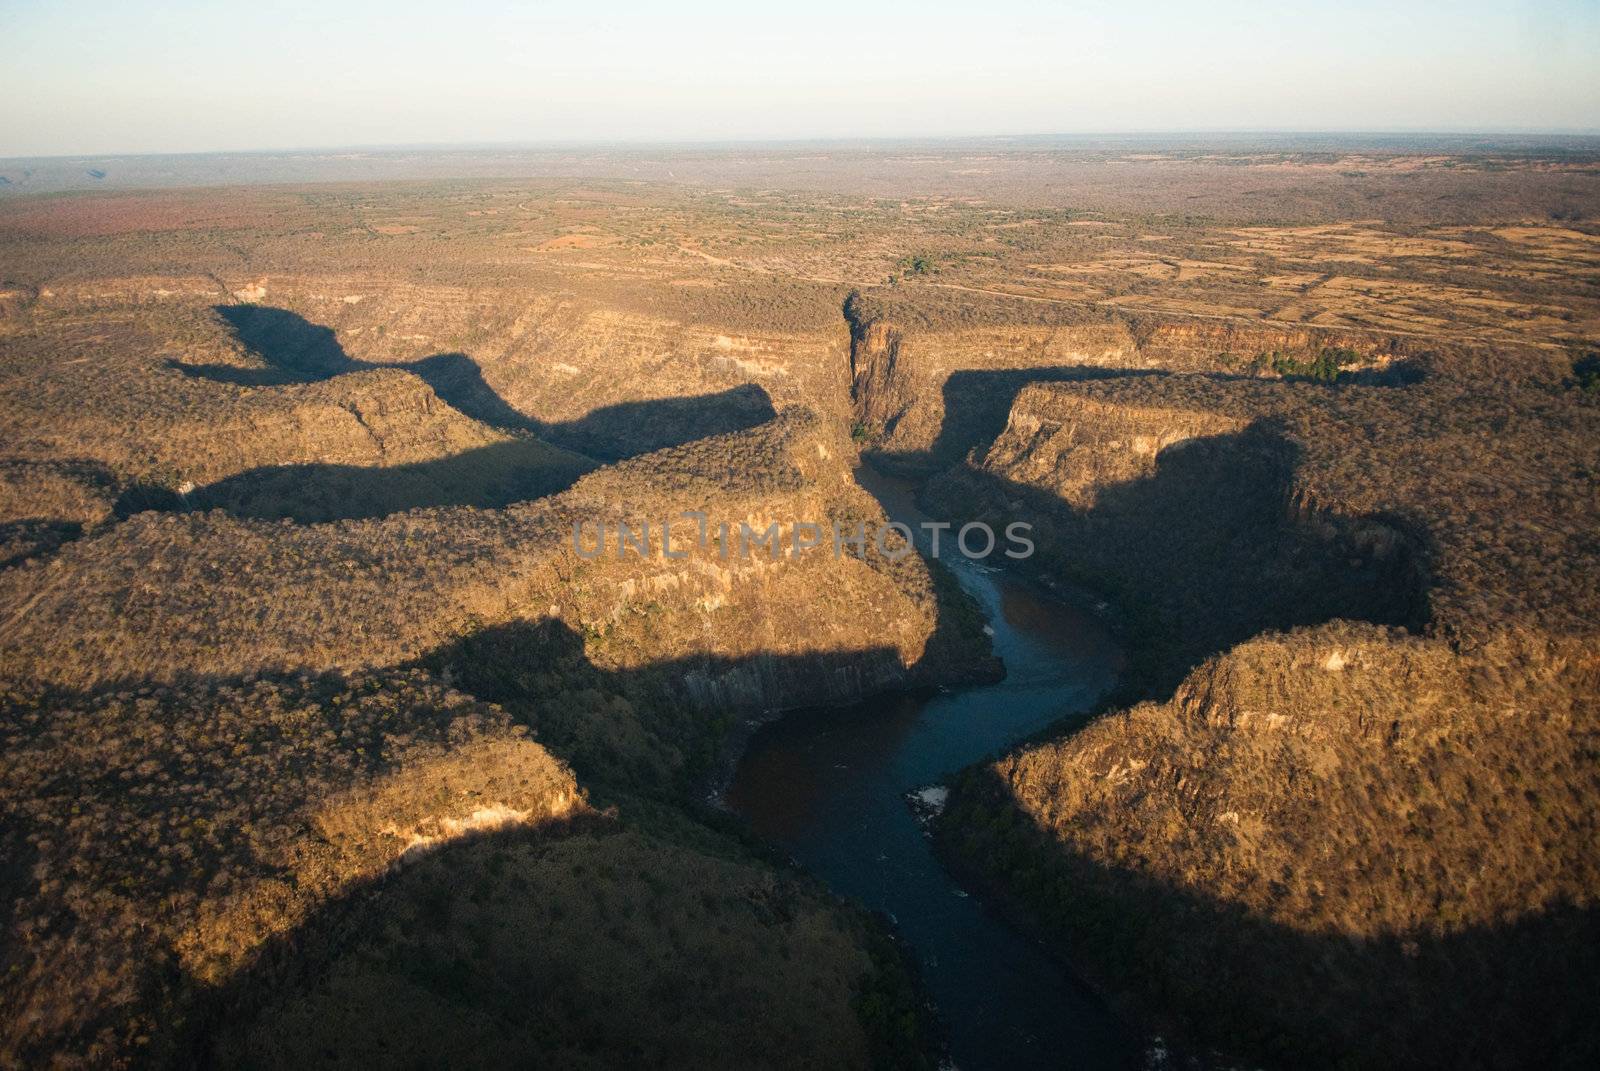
<point>829,787</point>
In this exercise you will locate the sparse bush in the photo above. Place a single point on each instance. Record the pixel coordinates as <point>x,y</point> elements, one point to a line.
<point>1586,371</point>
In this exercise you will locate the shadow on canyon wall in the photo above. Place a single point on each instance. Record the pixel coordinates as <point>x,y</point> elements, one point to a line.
<point>414,910</point>
<point>296,350</point>
<point>1495,997</point>
<point>486,951</point>
<point>1205,552</point>
<point>643,738</point>
<point>1208,973</point>
<point>488,477</point>
<point>685,707</point>
<point>1200,554</point>
<point>978,404</point>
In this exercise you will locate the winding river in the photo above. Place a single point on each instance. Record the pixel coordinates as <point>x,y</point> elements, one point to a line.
<point>829,786</point>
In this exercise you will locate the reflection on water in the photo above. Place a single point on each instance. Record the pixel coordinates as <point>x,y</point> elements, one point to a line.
<point>829,787</point>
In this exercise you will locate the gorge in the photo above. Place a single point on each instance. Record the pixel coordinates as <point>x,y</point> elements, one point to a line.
<point>324,744</point>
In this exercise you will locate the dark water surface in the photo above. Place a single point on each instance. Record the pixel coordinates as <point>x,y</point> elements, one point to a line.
<point>829,787</point>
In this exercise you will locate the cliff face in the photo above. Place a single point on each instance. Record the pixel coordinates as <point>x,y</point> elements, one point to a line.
<point>1330,847</point>
<point>420,580</point>
<point>1078,449</point>
<point>163,671</point>
<point>926,394</point>
<point>1198,345</point>
<point>1337,840</point>
<point>1186,516</point>
<point>881,391</point>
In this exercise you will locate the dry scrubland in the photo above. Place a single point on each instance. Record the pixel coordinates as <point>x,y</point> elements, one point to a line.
<point>1342,842</point>
<point>630,670</point>
<point>318,736</point>
<point>160,838</point>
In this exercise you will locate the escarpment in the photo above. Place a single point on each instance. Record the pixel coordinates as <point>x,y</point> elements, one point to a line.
<point>926,390</point>
<point>883,390</point>
<point>1318,839</point>
<point>1189,512</point>
<point>159,667</point>
<point>144,596</point>
<point>1183,344</point>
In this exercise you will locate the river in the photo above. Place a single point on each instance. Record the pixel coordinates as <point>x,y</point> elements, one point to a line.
<point>829,786</point>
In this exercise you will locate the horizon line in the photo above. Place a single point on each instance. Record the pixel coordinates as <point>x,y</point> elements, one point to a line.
<point>602,144</point>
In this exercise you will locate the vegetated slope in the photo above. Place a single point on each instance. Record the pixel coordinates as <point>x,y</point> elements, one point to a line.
<point>161,597</point>
<point>1340,843</point>
<point>603,949</point>
<point>160,839</point>
<point>167,664</point>
<point>101,390</point>
<point>46,503</point>
<point>163,421</point>
<point>290,870</point>
<point>346,353</point>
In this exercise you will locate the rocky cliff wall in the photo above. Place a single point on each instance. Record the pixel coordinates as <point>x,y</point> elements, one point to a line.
<point>168,597</point>
<point>925,396</point>
<point>1318,839</point>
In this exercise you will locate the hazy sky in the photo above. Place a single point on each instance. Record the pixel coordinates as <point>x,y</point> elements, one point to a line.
<point>132,76</point>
